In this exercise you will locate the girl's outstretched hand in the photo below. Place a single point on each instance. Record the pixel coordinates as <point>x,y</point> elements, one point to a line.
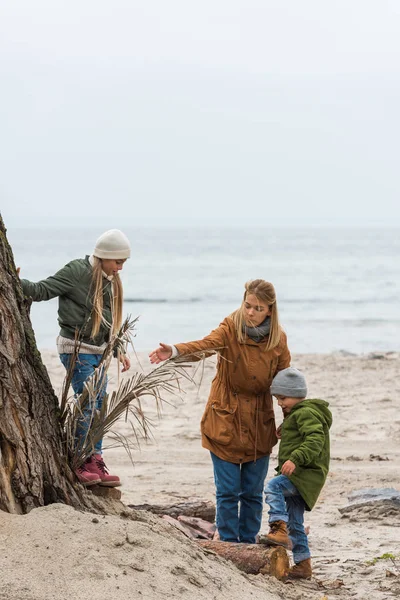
<point>126,363</point>
<point>163,352</point>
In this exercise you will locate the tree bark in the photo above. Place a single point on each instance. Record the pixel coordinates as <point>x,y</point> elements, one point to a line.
<point>252,558</point>
<point>33,466</point>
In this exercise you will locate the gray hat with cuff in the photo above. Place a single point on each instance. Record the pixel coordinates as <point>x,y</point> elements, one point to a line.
<point>290,383</point>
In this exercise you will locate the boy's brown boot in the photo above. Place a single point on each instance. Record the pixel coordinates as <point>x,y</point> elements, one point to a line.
<point>302,570</point>
<point>278,535</point>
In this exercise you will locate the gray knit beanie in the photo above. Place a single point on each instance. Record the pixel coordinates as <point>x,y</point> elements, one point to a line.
<point>290,383</point>
<point>112,244</point>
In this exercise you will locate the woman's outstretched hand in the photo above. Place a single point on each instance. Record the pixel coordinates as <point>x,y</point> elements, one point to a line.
<point>163,352</point>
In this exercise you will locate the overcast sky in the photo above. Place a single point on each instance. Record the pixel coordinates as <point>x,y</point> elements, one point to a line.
<point>214,111</point>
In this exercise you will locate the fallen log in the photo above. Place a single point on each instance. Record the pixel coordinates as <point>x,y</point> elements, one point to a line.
<point>199,508</point>
<point>106,492</point>
<point>252,558</point>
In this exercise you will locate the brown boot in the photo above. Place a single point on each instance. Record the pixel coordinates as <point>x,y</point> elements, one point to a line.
<point>301,570</point>
<point>278,535</point>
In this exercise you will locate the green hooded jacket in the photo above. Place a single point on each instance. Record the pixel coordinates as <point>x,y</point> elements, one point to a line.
<point>72,285</point>
<point>305,441</point>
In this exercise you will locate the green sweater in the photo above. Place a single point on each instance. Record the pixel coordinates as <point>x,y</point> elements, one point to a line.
<point>72,284</point>
<point>305,441</point>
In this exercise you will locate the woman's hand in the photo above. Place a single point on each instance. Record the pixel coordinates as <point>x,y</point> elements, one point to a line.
<point>288,468</point>
<point>163,352</point>
<point>126,363</point>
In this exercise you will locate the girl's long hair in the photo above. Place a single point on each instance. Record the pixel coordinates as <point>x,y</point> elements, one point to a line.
<point>97,295</point>
<point>264,291</point>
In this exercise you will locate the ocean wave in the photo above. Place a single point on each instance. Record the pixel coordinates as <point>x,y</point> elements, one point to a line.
<point>162,300</point>
<point>351,301</point>
<point>289,301</point>
<point>373,321</point>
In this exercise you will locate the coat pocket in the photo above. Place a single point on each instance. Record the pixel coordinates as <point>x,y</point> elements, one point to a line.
<point>218,423</point>
<point>266,433</point>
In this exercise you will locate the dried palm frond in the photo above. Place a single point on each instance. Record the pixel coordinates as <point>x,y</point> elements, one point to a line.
<point>68,380</point>
<point>124,403</point>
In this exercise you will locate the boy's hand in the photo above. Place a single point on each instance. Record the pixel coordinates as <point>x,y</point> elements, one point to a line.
<point>288,468</point>
<point>279,432</point>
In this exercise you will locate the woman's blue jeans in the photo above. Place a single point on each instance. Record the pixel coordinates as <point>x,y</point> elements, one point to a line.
<point>84,368</point>
<point>239,493</point>
<point>286,504</point>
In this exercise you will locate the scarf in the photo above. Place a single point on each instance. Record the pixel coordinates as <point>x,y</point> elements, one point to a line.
<point>257,334</point>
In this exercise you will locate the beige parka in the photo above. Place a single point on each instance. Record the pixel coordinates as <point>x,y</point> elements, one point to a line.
<point>238,423</point>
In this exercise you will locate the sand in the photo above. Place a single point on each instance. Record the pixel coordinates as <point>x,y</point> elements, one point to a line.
<point>56,552</point>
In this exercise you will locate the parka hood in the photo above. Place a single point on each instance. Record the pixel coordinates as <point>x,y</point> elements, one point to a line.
<point>321,406</point>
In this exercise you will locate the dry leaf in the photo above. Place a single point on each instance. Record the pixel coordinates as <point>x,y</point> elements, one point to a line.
<point>390,573</point>
<point>336,583</point>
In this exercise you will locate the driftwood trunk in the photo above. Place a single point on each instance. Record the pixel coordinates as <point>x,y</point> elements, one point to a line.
<point>252,558</point>
<point>33,467</point>
<point>201,509</point>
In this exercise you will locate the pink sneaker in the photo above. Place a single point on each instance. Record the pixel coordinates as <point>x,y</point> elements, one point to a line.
<point>86,477</point>
<point>96,465</point>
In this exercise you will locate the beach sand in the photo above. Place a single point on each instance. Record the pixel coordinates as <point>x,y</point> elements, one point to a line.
<point>56,552</point>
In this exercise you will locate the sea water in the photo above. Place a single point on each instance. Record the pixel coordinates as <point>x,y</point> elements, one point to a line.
<point>338,289</point>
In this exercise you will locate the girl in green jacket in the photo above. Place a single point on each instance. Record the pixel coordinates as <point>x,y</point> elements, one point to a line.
<point>303,463</point>
<point>90,304</point>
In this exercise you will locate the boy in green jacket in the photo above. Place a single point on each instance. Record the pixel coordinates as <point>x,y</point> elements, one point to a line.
<point>303,464</point>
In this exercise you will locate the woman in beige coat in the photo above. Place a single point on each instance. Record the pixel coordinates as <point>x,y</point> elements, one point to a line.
<point>238,425</point>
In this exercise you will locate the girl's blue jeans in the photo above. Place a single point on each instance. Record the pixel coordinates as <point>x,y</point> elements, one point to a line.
<point>84,368</point>
<point>286,504</point>
<point>239,494</point>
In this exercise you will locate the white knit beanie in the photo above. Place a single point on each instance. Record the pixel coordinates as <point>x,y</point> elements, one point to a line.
<point>112,244</point>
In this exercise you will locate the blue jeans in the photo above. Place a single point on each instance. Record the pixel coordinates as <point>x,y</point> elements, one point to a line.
<point>84,368</point>
<point>286,504</point>
<point>239,484</point>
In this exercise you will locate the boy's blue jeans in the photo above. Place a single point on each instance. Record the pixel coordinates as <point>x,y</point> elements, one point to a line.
<point>239,494</point>
<point>84,368</point>
<point>286,504</point>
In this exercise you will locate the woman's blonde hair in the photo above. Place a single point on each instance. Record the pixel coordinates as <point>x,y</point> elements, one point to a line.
<point>264,291</point>
<point>97,299</point>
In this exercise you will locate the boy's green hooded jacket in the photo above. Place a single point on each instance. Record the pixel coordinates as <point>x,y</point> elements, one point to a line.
<point>305,441</point>
<point>72,284</point>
